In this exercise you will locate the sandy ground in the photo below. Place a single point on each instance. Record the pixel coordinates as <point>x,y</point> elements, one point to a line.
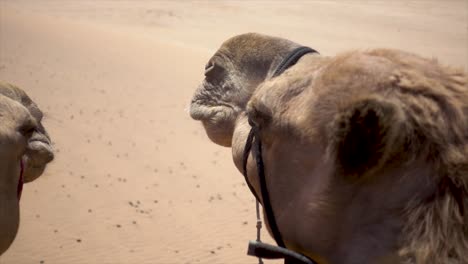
<point>135,180</point>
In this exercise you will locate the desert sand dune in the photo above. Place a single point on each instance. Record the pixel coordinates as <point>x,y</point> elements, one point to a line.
<point>135,180</point>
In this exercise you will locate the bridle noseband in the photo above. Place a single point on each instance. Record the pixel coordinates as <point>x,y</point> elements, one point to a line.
<point>254,145</point>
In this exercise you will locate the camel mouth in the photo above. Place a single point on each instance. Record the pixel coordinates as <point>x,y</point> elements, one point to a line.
<point>203,113</point>
<point>212,114</point>
<point>199,112</point>
<point>43,148</point>
<point>41,139</point>
<point>38,154</point>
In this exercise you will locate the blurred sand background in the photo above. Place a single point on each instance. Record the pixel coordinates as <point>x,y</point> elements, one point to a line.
<point>135,180</point>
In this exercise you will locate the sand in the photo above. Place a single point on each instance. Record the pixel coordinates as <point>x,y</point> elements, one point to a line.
<point>135,180</point>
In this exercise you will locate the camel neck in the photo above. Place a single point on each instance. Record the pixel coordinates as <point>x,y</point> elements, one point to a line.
<point>9,204</point>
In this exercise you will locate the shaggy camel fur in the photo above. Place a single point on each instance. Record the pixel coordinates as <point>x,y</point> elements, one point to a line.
<point>366,153</point>
<point>25,151</point>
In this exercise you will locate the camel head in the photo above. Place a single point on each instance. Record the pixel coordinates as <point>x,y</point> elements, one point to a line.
<point>40,151</point>
<point>25,151</point>
<point>365,153</point>
<point>366,156</point>
<point>231,76</point>
<point>17,127</point>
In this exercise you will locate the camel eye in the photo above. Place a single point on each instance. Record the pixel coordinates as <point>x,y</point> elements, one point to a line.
<point>209,67</point>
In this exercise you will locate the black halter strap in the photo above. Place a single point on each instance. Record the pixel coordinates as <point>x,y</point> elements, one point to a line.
<point>254,139</point>
<point>293,57</point>
<point>254,145</point>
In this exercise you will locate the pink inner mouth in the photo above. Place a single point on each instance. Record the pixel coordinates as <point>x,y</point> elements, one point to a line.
<point>20,182</point>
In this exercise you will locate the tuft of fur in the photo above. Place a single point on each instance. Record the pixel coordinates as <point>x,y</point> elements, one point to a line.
<point>435,100</point>
<point>432,126</point>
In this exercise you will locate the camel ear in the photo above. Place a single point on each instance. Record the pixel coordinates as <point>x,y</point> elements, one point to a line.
<point>362,134</point>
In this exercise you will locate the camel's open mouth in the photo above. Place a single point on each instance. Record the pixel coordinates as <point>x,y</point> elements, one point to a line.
<point>20,181</point>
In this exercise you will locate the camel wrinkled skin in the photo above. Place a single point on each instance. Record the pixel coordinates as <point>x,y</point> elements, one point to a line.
<point>366,153</point>
<point>22,138</point>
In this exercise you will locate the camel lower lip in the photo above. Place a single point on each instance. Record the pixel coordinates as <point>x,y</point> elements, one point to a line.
<point>202,112</point>
<point>39,140</point>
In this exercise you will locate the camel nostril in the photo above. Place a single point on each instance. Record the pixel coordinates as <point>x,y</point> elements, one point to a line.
<point>252,122</point>
<point>258,115</point>
<point>209,66</point>
<point>27,130</point>
<point>28,127</point>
